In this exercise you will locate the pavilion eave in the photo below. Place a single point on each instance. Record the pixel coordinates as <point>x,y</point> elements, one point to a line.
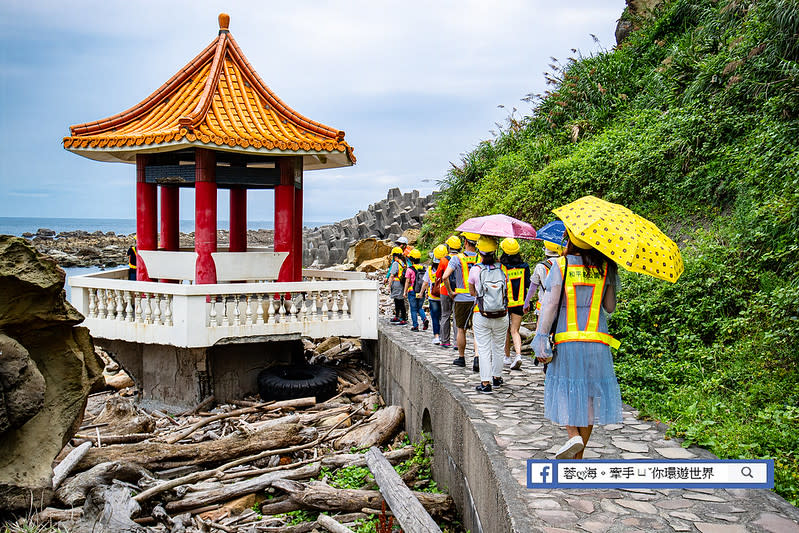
<point>312,159</point>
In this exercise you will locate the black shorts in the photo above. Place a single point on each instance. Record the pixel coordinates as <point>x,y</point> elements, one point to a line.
<point>463,314</point>
<point>516,310</point>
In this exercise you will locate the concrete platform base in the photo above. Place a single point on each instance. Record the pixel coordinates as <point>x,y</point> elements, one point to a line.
<point>182,377</point>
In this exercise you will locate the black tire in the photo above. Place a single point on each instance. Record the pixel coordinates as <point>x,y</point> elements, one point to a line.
<point>286,382</point>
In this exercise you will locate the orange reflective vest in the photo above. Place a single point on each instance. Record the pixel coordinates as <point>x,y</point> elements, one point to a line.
<point>431,273</point>
<point>515,300</point>
<point>400,271</point>
<point>579,275</point>
<point>466,263</point>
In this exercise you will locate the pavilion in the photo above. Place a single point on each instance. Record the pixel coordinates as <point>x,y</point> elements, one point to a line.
<point>214,125</point>
<point>234,310</point>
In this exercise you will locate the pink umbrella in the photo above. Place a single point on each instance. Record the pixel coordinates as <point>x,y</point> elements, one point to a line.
<point>498,226</point>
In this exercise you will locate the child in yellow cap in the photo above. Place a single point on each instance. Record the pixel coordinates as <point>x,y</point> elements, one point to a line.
<point>414,279</point>
<point>396,284</point>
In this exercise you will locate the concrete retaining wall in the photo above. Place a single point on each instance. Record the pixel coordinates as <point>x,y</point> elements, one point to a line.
<point>467,460</point>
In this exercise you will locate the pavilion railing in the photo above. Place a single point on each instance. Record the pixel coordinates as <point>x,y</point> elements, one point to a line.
<point>203,315</point>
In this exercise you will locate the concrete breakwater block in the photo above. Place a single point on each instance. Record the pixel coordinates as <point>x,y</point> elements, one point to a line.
<point>386,219</point>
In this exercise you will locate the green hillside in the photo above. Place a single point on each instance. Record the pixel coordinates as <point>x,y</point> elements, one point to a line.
<point>692,123</point>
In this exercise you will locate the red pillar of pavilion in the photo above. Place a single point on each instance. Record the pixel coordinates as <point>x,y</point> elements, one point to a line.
<point>170,203</point>
<point>205,215</point>
<point>284,218</point>
<point>297,247</point>
<point>146,216</point>
<point>238,219</point>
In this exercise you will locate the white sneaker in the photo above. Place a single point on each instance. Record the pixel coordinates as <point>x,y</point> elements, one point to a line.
<point>506,361</point>
<point>572,447</point>
<point>517,362</point>
<point>436,340</point>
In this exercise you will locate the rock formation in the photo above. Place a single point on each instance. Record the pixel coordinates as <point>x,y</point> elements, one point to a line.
<point>47,369</point>
<point>386,219</point>
<point>635,11</point>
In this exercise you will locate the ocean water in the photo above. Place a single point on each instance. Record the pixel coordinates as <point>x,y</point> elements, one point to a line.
<point>121,226</point>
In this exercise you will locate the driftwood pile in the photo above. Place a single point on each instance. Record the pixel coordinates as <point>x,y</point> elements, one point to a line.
<point>212,468</point>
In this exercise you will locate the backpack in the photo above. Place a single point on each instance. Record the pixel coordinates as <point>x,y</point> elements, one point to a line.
<point>492,293</point>
<point>418,280</point>
<point>547,263</point>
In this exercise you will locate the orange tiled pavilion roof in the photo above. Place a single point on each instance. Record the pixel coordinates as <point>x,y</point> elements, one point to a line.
<point>216,101</point>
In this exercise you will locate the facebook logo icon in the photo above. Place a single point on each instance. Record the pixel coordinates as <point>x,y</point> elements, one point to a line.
<point>540,474</point>
<point>544,473</point>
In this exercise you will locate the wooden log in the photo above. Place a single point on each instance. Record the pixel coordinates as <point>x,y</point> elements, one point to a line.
<point>272,406</point>
<point>183,433</point>
<point>306,419</point>
<point>202,406</point>
<point>279,507</point>
<point>377,430</point>
<point>332,525</point>
<point>358,388</point>
<point>411,515</point>
<point>123,417</point>
<point>305,527</point>
<point>225,492</point>
<point>321,496</point>
<point>342,460</point>
<point>63,469</point>
<point>73,491</point>
<point>113,439</point>
<point>108,510</point>
<point>157,455</point>
<point>51,514</point>
<point>92,426</point>
<point>198,476</point>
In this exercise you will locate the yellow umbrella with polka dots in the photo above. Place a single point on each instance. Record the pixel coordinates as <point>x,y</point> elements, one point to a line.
<point>630,240</point>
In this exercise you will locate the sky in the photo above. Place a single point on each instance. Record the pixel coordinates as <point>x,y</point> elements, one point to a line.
<point>413,84</point>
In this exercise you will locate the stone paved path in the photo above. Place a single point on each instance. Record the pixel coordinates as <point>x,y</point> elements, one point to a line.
<point>516,412</point>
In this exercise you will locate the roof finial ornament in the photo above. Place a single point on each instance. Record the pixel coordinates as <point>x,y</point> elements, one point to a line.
<point>224,22</point>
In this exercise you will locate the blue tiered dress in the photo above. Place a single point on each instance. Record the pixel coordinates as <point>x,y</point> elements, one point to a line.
<point>581,387</point>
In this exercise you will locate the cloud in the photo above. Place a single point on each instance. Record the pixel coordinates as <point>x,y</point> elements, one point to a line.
<point>415,84</point>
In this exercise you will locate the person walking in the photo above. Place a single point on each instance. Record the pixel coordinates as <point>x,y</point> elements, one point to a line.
<point>488,284</point>
<point>396,284</point>
<point>433,288</point>
<point>402,243</point>
<point>581,389</point>
<point>455,279</point>
<point>453,247</point>
<point>131,253</point>
<point>537,281</point>
<point>518,274</point>
<point>414,278</point>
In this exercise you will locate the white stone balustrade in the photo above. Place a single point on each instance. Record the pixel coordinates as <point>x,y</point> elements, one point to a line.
<point>192,316</point>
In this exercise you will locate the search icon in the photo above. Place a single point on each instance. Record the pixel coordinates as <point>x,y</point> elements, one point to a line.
<point>747,472</point>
